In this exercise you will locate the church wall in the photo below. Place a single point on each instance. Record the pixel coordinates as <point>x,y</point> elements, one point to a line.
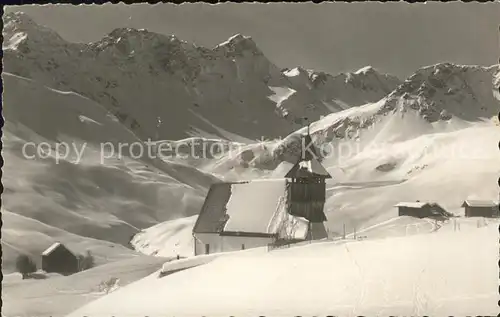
<point>217,243</point>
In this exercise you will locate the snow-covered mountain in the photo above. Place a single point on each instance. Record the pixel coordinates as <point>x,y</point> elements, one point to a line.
<point>164,88</point>
<point>344,90</point>
<point>439,98</point>
<point>445,90</point>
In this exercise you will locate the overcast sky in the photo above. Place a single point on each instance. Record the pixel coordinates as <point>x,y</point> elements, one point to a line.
<point>396,38</point>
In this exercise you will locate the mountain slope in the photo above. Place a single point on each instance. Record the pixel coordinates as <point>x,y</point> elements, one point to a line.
<point>446,168</point>
<point>444,90</point>
<point>437,98</point>
<point>183,90</point>
<point>89,192</point>
<point>411,110</point>
<point>343,90</point>
<point>22,235</point>
<point>168,239</point>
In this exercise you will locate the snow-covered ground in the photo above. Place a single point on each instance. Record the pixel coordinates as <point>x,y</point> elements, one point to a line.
<point>59,295</point>
<point>168,239</point>
<point>446,168</point>
<point>436,274</point>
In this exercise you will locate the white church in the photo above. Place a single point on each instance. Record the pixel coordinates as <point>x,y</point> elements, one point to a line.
<point>249,214</point>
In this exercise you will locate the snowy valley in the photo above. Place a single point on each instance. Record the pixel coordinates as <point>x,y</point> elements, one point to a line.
<point>432,137</point>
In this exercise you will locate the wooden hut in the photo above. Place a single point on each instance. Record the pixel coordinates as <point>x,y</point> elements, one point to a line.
<point>58,259</point>
<point>481,208</point>
<point>414,209</point>
<point>422,210</point>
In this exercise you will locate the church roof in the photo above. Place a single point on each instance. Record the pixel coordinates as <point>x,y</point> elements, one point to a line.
<point>211,217</point>
<point>310,168</point>
<point>251,208</point>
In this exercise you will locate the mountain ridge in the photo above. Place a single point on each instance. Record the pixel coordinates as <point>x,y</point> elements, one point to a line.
<point>432,100</point>
<point>167,75</point>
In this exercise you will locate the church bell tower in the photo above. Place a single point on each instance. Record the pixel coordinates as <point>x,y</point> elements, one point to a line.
<point>307,188</point>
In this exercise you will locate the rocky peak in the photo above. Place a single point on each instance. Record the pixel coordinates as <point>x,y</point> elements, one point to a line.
<point>465,91</point>
<point>18,20</point>
<point>366,70</point>
<point>319,78</point>
<point>19,28</point>
<point>368,78</point>
<point>128,40</point>
<point>425,82</point>
<point>238,45</point>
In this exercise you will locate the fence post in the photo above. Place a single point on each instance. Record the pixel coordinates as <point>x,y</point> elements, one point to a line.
<point>311,231</point>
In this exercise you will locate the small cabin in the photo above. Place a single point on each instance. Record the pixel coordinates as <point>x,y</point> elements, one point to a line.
<point>59,259</point>
<point>481,208</point>
<point>422,210</point>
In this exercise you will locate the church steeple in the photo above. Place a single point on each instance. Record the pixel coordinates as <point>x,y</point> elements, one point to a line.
<point>308,165</point>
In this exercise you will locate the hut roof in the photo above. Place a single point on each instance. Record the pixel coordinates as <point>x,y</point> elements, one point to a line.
<point>414,204</point>
<point>52,248</point>
<point>479,203</point>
